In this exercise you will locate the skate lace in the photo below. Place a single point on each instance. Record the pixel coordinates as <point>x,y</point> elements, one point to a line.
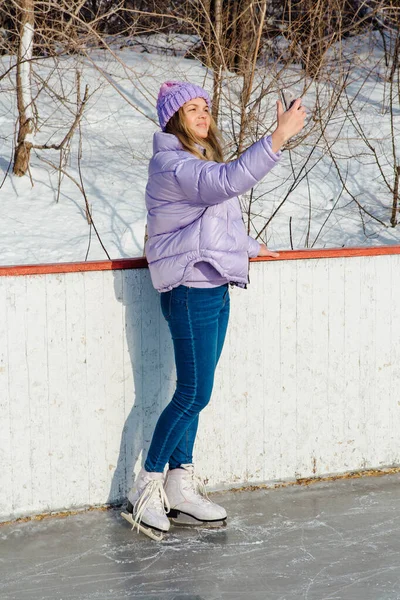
<point>152,496</point>
<point>196,485</point>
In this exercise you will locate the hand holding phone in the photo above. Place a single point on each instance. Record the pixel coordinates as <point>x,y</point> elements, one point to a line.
<point>290,122</point>
<point>288,98</point>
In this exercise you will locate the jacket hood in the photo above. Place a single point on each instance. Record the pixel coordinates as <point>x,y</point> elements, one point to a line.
<point>165,141</point>
<point>168,141</point>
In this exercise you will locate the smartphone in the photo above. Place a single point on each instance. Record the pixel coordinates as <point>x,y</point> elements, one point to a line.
<point>288,98</point>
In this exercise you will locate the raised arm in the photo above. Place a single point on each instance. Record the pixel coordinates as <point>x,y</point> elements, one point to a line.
<point>207,182</point>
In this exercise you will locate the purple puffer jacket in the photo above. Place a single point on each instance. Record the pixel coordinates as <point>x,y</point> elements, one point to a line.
<point>194,214</point>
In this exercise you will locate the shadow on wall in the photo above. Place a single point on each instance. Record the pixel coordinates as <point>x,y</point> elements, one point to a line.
<point>148,371</point>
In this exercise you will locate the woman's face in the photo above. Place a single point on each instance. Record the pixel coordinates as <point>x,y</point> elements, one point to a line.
<point>197,117</point>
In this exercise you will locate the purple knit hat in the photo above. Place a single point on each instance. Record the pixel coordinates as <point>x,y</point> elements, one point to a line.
<point>173,95</point>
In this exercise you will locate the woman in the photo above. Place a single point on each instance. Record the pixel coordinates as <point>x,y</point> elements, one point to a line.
<point>197,246</point>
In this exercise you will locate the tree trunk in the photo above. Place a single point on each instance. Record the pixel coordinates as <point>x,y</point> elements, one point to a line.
<point>24,91</point>
<point>229,32</point>
<point>217,58</point>
<point>249,65</point>
<point>393,220</point>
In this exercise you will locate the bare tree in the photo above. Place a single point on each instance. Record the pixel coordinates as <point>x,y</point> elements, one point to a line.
<point>24,87</point>
<point>252,49</point>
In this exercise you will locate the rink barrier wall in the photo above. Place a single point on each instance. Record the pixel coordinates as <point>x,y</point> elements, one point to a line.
<point>308,382</point>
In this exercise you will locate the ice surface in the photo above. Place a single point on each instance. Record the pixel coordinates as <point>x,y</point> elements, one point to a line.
<point>328,541</point>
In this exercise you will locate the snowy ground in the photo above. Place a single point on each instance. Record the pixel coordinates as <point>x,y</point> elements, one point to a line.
<point>39,224</point>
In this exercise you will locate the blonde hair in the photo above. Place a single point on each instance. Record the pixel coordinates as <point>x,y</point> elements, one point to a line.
<point>212,144</point>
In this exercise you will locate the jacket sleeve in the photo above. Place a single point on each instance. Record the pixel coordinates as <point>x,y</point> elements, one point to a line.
<point>253,247</point>
<point>207,183</point>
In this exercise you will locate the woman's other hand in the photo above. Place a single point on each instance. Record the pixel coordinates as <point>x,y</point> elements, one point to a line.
<point>290,122</point>
<point>265,252</point>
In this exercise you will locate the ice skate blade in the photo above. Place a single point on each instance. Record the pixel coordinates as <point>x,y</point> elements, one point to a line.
<point>157,536</point>
<point>189,521</point>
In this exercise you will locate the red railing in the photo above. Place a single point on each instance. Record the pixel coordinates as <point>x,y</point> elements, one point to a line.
<point>141,263</point>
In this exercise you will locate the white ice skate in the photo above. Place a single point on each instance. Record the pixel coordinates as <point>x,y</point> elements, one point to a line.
<point>147,506</point>
<point>188,500</point>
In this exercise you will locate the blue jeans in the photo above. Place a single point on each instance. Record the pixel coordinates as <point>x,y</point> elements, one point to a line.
<point>198,320</point>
